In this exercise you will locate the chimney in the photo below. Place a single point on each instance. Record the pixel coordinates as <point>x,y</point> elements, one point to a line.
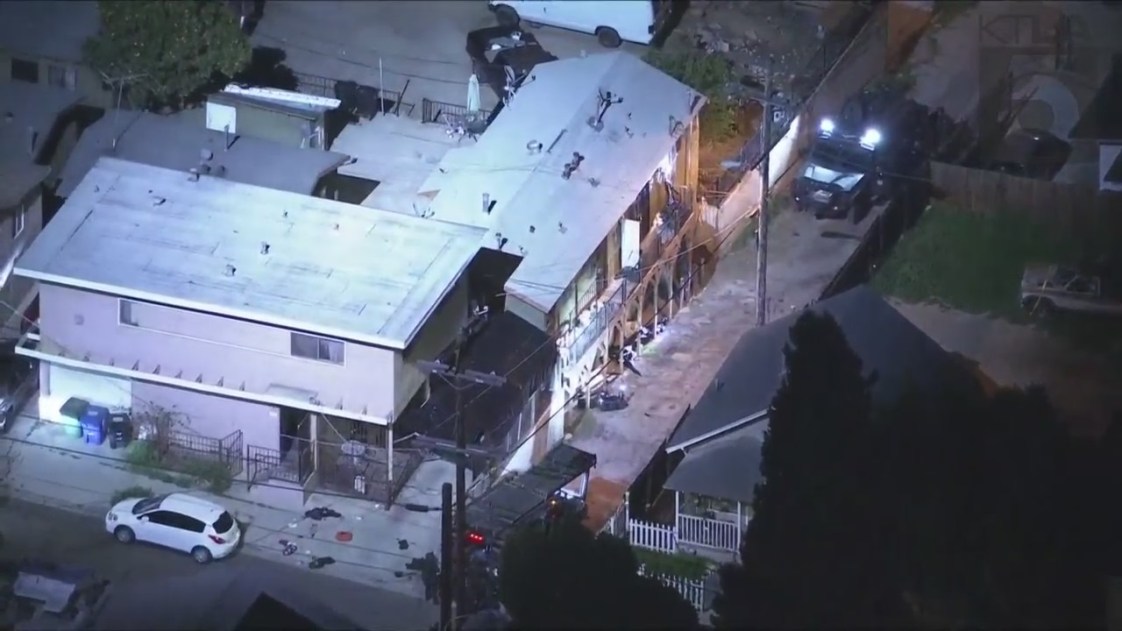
<point>32,140</point>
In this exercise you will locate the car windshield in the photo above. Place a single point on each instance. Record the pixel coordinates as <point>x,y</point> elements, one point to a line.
<point>842,156</point>
<point>224,523</point>
<point>147,504</point>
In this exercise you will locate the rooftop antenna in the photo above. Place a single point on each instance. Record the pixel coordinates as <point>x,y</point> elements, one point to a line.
<point>119,83</point>
<point>226,137</point>
<point>605,100</point>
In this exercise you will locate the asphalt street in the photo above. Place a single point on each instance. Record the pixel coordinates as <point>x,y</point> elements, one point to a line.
<point>32,531</point>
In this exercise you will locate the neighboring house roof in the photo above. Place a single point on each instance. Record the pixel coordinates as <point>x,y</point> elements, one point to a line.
<point>1114,173</point>
<point>727,467</point>
<point>340,270</point>
<point>222,598</point>
<point>555,223</point>
<point>28,115</point>
<point>399,153</point>
<point>886,342</point>
<point>1100,120</point>
<point>176,144</point>
<point>33,28</point>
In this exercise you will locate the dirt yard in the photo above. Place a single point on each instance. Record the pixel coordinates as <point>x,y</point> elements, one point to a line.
<point>1086,388</point>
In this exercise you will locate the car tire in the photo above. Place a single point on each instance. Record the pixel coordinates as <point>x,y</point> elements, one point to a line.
<point>608,37</point>
<point>201,555</point>
<point>124,534</point>
<point>507,16</point>
<point>1039,307</point>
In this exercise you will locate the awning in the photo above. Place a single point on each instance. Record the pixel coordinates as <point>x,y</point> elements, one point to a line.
<point>511,500</point>
<point>507,346</point>
<point>726,468</point>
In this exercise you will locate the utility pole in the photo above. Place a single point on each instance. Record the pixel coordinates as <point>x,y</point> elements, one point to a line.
<point>460,379</point>
<point>762,218</point>
<point>446,538</point>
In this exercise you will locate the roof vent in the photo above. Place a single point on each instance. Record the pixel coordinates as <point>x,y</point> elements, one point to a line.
<point>488,204</point>
<point>572,165</point>
<point>32,140</point>
<point>605,100</point>
<point>231,270</point>
<point>206,154</point>
<point>194,177</point>
<point>265,247</point>
<point>534,147</point>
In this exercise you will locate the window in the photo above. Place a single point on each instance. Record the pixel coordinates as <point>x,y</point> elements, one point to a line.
<point>318,348</point>
<point>18,223</point>
<point>224,523</point>
<point>62,76</point>
<point>126,315</point>
<point>24,70</point>
<point>175,520</point>
<point>148,504</point>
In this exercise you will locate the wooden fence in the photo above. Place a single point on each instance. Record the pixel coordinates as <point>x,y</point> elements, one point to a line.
<point>652,536</point>
<point>1082,211</point>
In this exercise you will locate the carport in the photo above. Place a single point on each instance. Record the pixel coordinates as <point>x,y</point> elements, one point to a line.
<point>517,499</point>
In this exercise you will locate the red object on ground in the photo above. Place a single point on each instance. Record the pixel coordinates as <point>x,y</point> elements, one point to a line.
<point>344,536</point>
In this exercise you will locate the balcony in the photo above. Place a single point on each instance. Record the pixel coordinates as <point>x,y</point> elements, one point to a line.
<point>596,320</point>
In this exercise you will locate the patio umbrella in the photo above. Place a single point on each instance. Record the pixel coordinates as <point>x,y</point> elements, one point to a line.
<point>473,94</point>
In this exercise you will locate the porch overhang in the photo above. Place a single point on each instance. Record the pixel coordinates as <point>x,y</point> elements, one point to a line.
<point>30,346</point>
<point>727,468</point>
<point>510,501</point>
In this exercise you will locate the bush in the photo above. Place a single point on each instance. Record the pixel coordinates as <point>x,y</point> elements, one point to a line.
<point>144,458</point>
<point>680,565</point>
<point>710,75</point>
<point>129,493</point>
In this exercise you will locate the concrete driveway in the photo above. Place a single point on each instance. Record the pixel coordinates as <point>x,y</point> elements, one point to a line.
<point>421,43</point>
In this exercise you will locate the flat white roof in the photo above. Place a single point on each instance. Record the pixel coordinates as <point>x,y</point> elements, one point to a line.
<point>399,153</point>
<point>556,223</point>
<point>333,268</point>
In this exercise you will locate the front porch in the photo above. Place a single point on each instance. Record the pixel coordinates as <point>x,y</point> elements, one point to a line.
<point>703,526</point>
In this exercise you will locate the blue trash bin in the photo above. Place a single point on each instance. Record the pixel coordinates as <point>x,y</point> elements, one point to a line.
<point>93,423</point>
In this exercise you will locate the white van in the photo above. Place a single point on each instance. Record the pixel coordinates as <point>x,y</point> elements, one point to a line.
<point>612,23</point>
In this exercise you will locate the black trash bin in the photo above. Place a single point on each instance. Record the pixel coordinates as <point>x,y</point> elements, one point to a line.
<point>120,430</point>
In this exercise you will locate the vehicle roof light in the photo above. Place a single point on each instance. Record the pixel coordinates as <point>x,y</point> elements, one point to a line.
<point>826,126</point>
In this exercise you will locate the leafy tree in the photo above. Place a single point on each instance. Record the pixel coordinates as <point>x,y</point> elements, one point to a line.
<point>565,577</point>
<point>710,75</point>
<point>168,49</point>
<point>812,555</point>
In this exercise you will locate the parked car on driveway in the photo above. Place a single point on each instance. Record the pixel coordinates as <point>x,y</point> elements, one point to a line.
<point>503,56</point>
<point>1048,288</point>
<point>178,521</point>
<point>19,379</point>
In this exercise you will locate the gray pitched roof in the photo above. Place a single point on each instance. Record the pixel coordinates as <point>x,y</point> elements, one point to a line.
<point>50,30</point>
<point>727,467</point>
<point>175,144</point>
<point>27,110</point>
<point>885,340</point>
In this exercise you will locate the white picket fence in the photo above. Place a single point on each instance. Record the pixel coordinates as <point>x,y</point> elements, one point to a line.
<point>711,533</point>
<point>652,536</point>
<point>693,590</point>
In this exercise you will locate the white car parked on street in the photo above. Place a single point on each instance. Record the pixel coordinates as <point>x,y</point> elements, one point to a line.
<point>178,521</point>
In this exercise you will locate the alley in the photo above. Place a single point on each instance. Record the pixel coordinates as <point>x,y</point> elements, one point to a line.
<point>42,533</point>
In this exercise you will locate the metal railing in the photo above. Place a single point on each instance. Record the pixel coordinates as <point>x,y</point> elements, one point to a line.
<point>599,321</point>
<point>441,112</point>
<point>295,465</point>
<point>325,86</point>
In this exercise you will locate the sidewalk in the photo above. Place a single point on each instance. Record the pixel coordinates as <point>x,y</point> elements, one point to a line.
<point>383,541</point>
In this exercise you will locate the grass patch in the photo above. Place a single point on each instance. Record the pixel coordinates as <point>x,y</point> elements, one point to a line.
<point>974,262</point>
<point>129,493</point>
<point>969,261</point>
<point>685,566</point>
<point>142,458</point>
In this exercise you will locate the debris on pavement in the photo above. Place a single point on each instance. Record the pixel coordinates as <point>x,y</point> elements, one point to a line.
<point>344,536</point>
<point>320,513</point>
<point>402,544</point>
<point>319,562</point>
<point>287,547</point>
